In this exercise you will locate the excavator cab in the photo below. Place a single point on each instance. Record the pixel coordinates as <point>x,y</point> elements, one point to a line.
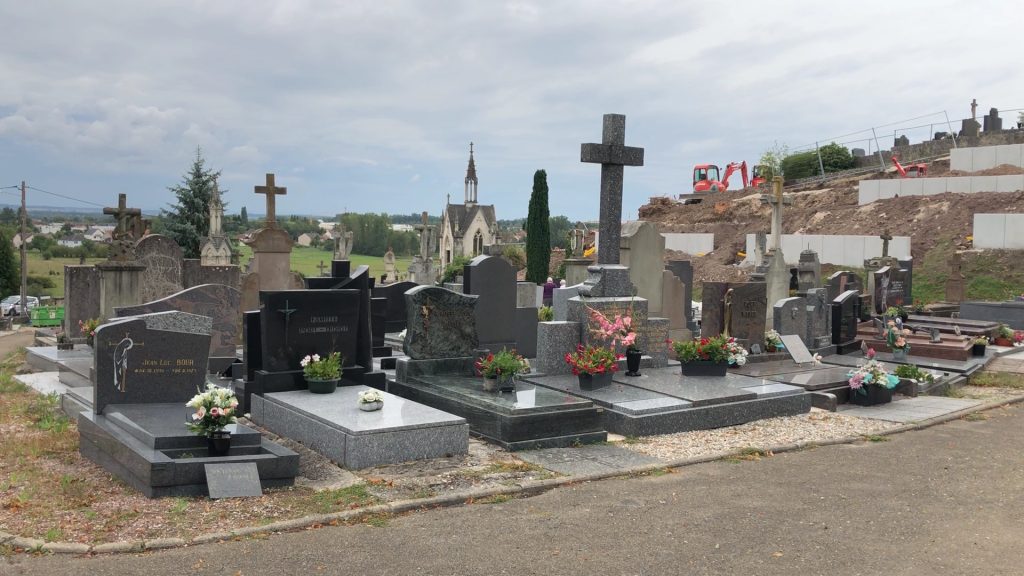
<point>705,178</point>
<point>757,176</point>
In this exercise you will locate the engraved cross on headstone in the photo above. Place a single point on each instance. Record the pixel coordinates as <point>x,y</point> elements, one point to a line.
<point>886,236</point>
<point>612,154</point>
<point>287,311</point>
<point>271,190</point>
<point>322,267</point>
<point>776,200</point>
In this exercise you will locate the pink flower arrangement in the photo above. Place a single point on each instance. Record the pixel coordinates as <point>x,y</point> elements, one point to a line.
<point>619,330</point>
<point>214,409</point>
<point>871,353</point>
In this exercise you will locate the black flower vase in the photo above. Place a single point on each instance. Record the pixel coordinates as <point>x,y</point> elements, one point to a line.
<point>633,362</point>
<point>219,443</point>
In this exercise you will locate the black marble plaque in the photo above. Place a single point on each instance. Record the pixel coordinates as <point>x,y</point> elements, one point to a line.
<point>234,480</point>
<point>297,323</point>
<point>150,359</point>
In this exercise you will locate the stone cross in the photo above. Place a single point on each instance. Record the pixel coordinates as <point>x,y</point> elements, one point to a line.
<point>322,267</point>
<point>271,190</point>
<point>974,108</point>
<point>776,200</point>
<point>612,154</point>
<point>426,237</point>
<point>123,215</point>
<point>886,236</point>
<point>955,265</point>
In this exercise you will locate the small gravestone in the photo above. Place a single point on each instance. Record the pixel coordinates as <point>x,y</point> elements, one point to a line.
<point>880,296</point>
<point>808,271</point>
<point>560,301</point>
<point>441,324</point>
<point>493,280</point>
<point>756,349</point>
<point>235,480</point>
<point>683,269</point>
<point>790,316</point>
<point>842,281</point>
<point>749,308</point>
<point>818,333</point>
<point>642,249</point>
<point>796,349</point>
<point>845,318</point>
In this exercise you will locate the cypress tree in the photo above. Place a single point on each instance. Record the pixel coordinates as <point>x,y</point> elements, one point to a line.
<point>244,217</point>
<point>188,221</point>
<point>538,237</point>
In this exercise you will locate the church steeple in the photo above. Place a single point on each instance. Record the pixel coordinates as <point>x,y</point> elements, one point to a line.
<point>471,181</point>
<point>216,212</point>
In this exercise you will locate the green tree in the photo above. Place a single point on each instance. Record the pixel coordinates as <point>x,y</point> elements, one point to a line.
<point>559,228</point>
<point>8,216</point>
<point>771,160</point>
<point>836,158</point>
<point>538,236</point>
<point>10,269</point>
<point>244,216</point>
<point>188,221</point>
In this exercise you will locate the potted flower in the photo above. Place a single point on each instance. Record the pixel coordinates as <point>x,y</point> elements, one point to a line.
<point>500,370</point>
<point>772,341</point>
<point>64,343</point>
<point>1004,336</point>
<point>1018,337</point>
<point>88,329</point>
<point>704,356</point>
<point>913,374</point>
<point>593,365</point>
<point>322,374</point>
<point>370,400</point>
<point>737,353</point>
<point>897,312</point>
<point>897,341</point>
<point>213,410</point>
<point>871,384</point>
<point>978,346</point>
<point>619,331</point>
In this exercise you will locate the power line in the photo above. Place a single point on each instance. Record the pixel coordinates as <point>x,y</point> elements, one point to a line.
<point>65,197</point>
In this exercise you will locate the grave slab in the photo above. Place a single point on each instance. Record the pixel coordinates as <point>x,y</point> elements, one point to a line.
<point>698,390</point>
<point>333,425</point>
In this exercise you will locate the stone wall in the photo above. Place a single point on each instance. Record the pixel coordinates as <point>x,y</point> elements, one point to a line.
<point>869,191</point>
<point>974,159</point>
<point>194,274</point>
<point>932,148</point>
<point>999,231</point>
<point>689,243</point>
<point>838,250</point>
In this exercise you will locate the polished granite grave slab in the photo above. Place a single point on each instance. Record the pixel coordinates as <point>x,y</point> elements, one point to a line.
<point>698,390</point>
<point>774,367</point>
<point>148,446</point>
<point>530,417</point>
<point>662,404</point>
<point>333,425</point>
<point>46,358</point>
<point>966,367</point>
<point>830,377</point>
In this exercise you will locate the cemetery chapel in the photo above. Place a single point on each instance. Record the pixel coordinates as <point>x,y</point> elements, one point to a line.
<point>467,228</point>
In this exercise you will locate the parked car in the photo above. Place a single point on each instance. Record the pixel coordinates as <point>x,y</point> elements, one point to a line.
<point>11,306</point>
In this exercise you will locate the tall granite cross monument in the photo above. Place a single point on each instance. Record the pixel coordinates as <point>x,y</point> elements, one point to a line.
<point>886,237</point>
<point>612,154</point>
<point>122,248</point>
<point>271,191</point>
<point>120,273</point>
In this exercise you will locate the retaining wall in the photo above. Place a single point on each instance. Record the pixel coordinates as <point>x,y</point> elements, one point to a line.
<point>974,159</point>
<point>838,250</point>
<point>689,243</point>
<point>869,191</point>
<point>999,231</point>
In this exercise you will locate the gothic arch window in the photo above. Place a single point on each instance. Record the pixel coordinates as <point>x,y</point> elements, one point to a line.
<point>478,243</point>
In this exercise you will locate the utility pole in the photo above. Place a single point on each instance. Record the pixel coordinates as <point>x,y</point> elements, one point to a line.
<point>24,255</point>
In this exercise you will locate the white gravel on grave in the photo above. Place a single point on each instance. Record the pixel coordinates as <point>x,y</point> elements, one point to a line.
<point>815,426</point>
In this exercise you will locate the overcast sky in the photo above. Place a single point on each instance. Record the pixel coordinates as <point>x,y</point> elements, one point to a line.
<point>370,106</point>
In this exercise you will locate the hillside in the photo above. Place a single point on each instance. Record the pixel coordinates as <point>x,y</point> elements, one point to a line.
<point>937,224</point>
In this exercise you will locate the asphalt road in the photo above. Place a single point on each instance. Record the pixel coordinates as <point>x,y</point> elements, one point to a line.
<point>945,500</point>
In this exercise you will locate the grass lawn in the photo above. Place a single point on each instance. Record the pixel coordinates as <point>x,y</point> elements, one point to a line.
<point>304,260</point>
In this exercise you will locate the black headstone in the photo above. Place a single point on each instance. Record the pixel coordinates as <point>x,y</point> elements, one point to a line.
<point>883,279</point>
<point>296,323</point>
<point>842,281</point>
<point>394,321</point>
<point>252,343</point>
<point>494,280</point>
<point>150,359</point>
<point>845,317</point>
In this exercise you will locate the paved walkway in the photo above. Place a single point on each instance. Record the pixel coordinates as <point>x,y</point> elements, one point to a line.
<point>944,500</point>
<point>908,410</point>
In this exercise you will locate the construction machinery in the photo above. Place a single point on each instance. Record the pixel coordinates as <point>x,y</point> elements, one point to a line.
<point>918,170</point>
<point>706,177</point>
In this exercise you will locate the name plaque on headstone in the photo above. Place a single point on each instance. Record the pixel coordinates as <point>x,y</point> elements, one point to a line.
<point>234,480</point>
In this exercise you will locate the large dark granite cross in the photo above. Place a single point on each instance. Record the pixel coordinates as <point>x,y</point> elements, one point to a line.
<point>612,154</point>
<point>886,236</point>
<point>271,190</point>
<point>123,215</point>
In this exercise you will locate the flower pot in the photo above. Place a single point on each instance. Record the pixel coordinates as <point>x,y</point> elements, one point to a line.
<point>870,395</point>
<point>1003,342</point>
<point>490,384</point>
<point>977,349</point>
<point>371,406</point>
<point>507,383</point>
<point>899,355</point>
<point>704,368</point>
<point>633,362</point>
<point>218,443</point>
<point>322,386</point>
<point>594,381</point>
<point>65,346</point>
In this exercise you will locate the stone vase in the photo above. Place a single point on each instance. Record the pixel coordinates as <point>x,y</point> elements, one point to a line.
<point>594,381</point>
<point>704,368</point>
<point>899,354</point>
<point>371,406</point>
<point>633,362</point>
<point>218,443</point>
<point>322,386</point>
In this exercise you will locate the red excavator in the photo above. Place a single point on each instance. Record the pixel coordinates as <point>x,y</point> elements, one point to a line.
<point>918,170</point>
<point>705,176</point>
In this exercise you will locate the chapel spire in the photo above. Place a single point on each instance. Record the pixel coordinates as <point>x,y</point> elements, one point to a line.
<point>471,181</point>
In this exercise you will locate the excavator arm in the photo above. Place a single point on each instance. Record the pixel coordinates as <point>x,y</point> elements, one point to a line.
<point>732,167</point>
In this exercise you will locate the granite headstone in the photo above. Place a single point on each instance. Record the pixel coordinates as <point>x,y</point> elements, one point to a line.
<point>440,324</point>
<point>297,323</point>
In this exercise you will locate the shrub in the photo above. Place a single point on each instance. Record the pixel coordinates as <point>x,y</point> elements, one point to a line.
<point>454,270</point>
